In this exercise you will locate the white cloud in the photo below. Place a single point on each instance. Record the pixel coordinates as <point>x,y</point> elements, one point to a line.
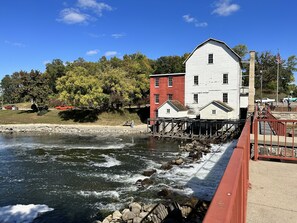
<point>225,8</point>
<point>110,53</point>
<point>16,44</point>
<point>117,35</point>
<point>73,16</point>
<point>97,7</point>
<point>201,24</point>
<point>92,52</point>
<point>190,19</point>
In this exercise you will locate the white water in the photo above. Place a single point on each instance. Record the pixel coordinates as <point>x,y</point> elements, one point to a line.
<point>22,213</point>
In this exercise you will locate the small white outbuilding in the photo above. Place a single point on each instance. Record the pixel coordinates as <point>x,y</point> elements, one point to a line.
<point>216,110</point>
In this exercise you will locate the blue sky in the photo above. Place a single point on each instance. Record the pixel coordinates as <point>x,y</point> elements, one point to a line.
<point>34,32</point>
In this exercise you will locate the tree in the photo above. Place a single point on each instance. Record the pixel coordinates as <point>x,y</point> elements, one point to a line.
<point>10,86</point>
<point>266,62</point>
<point>241,50</point>
<point>53,71</point>
<point>117,86</point>
<point>169,64</point>
<point>34,86</point>
<point>79,88</point>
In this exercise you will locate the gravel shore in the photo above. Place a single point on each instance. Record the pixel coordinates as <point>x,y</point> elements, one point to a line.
<point>72,129</point>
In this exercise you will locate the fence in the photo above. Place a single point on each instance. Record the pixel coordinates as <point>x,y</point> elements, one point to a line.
<point>230,200</point>
<point>274,139</point>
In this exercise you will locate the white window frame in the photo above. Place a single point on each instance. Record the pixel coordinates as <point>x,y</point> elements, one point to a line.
<point>168,111</point>
<point>225,79</point>
<point>157,98</point>
<point>196,80</point>
<point>170,81</point>
<point>210,58</point>
<point>225,97</point>
<point>195,101</point>
<point>157,81</point>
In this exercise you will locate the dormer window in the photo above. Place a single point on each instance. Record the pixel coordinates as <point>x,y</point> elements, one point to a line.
<point>210,58</point>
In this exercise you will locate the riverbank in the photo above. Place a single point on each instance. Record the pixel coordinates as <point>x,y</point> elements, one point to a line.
<point>72,129</point>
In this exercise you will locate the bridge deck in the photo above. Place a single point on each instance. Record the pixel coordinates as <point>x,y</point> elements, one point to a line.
<point>272,198</point>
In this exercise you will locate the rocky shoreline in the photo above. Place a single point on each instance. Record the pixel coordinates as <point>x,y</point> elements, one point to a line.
<point>176,208</point>
<point>72,129</point>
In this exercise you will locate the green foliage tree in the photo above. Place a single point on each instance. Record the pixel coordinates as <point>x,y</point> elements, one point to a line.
<point>34,87</point>
<point>241,50</point>
<point>117,86</point>
<point>169,64</point>
<point>79,88</point>
<point>53,71</point>
<point>10,87</point>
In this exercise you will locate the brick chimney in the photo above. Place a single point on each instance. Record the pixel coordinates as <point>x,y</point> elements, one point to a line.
<point>251,105</point>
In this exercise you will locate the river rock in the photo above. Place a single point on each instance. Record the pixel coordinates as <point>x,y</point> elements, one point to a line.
<point>116,215</point>
<point>128,215</point>
<point>137,220</point>
<point>143,214</point>
<point>135,208</point>
<point>179,161</point>
<point>166,166</point>
<point>148,207</point>
<point>149,172</point>
<point>164,193</point>
<point>146,182</point>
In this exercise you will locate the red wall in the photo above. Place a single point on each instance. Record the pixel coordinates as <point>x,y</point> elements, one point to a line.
<point>177,90</point>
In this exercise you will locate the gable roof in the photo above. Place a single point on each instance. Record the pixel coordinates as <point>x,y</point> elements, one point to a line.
<point>175,104</point>
<point>214,40</point>
<point>220,105</point>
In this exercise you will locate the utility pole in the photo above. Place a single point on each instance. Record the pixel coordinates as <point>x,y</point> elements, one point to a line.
<point>277,76</point>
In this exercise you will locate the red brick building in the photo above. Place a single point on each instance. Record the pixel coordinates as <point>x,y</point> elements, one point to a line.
<point>165,87</point>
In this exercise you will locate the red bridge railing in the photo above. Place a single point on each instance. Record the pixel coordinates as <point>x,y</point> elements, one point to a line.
<point>229,203</point>
<point>274,138</point>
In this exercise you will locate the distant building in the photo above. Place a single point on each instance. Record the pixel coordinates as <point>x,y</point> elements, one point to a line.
<point>211,87</point>
<point>165,87</point>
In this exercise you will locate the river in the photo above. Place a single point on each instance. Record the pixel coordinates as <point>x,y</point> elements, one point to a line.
<point>79,178</point>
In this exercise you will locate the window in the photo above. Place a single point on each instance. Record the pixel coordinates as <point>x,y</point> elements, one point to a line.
<point>168,111</point>
<point>170,81</point>
<point>196,80</point>
<point>210,58</point>
<point>225,78</point>
<point>170,97</point>
<point>156,114</point>
<point>156,82</point>
<point>225,97</point>
<point>195,98</point>
<point>214,112</point>
<point>157,99</point>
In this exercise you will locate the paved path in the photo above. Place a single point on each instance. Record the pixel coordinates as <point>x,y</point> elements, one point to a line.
<point>273,196</point>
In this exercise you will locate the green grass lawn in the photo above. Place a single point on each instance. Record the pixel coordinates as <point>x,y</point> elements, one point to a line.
<point>72,117</point>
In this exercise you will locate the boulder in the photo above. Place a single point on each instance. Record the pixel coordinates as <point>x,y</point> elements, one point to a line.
<point>135,208</point>
<point>149,172</point>
<point>128,215</point>
<point>137,220</point>
<point>146,182</point>
<point>116,215</point>
<point>179,161</point>
<point>164,193</point>
<point>166,166</point>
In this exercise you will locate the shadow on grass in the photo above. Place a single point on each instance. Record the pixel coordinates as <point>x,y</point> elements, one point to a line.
<point>82,116</point>
<point>26,112</point>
